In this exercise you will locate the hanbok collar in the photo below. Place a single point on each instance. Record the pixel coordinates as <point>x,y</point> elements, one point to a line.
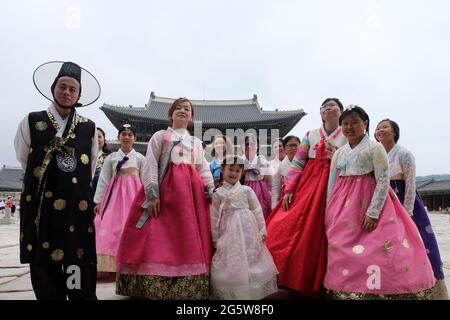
<point>182,138</point>
<point>286,160</point>
<point>60,122</point>
<point>348,153</point>
<point>229,186</point>
<point>252,166</point>
<point>230,189</point>
<point>393,152</point>
<point>276,161</point>
<point>123,154</point>
<point>180,134</point>
<point>333,135</point>
<point>360,145</point>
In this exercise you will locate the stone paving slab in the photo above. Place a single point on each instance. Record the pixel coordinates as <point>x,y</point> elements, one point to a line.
<point>22,283</point>
<point>23,295</point>
<point>6,279</point>
<point>13,272</point>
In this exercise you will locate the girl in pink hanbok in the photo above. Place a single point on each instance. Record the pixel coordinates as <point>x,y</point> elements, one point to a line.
<point>166,249</point>
<point>118,183</point>
<point>242,267</point>
<point>374,248</point>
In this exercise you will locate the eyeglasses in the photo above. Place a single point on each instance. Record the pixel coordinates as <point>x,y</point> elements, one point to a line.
<point>328,105</point>
<point>292,146</point>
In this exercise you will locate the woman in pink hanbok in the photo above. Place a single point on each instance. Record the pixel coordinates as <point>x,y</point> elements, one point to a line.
<point>118,183</point>
<point>242,267</point>
<point>166,249</point>
<point>374,248</point>
<point>257,173</point>
<point>280,177</point>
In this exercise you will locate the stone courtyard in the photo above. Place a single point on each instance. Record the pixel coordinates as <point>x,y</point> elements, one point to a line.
<point>15,283</point>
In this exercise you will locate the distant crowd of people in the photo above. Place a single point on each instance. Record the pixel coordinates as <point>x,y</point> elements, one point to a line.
<point>8,206</point>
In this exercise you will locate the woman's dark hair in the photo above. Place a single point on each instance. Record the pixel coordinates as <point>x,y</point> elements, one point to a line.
<point>339,103</point>
<point>128,127</point>
<point>232,160</point>
<point>287,138</point>
<point>354,109</point>
<point>394,127</point>
<point>105,145</point>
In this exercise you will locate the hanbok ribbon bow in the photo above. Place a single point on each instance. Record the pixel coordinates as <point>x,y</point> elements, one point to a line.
<point>255,171</point>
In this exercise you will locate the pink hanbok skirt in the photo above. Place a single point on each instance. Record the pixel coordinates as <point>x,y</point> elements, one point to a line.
<point>109,229</point>
<point>178,241</point>
<point>390,260</point>
<point>263,195</point>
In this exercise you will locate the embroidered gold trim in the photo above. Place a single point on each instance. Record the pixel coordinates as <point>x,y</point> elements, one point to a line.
<point>83,205</point>
<point>84,159</point>
<point>56,145</point>
<point>60,204</point>
<point>41,125</point>
<point>57,255</point>
<point>37,172</point>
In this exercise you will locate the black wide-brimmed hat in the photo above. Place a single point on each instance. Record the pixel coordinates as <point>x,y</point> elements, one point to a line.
<point>46,75</point>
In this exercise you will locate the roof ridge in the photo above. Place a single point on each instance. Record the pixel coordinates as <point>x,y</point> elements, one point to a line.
<point>208,102</point>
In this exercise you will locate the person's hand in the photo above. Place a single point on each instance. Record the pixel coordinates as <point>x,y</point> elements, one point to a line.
<point>97,209</point>
<point>368,224</point>
<point>287,199</point>
<point>331,149</point>
<point>208,197</point>
<point>153,207</point>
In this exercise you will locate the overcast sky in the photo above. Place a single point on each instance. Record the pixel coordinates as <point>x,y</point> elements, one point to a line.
<point>390,57</point>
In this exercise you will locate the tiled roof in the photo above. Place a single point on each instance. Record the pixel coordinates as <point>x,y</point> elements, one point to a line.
<point>422,183</point>
<point>11,178</point>
<point>440,187</point>
<point>210,112</point>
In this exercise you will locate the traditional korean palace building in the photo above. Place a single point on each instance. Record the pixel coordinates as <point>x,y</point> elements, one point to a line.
<point>213,114</point>
<point>435,192</point>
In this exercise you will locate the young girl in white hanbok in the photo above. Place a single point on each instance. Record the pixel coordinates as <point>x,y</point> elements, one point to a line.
<point>242,267</point>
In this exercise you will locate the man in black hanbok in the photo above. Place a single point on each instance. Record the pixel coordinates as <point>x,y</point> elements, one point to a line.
<point>58,149</point>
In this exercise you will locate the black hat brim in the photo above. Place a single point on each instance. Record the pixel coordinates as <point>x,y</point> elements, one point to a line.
<point>45,74</point>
